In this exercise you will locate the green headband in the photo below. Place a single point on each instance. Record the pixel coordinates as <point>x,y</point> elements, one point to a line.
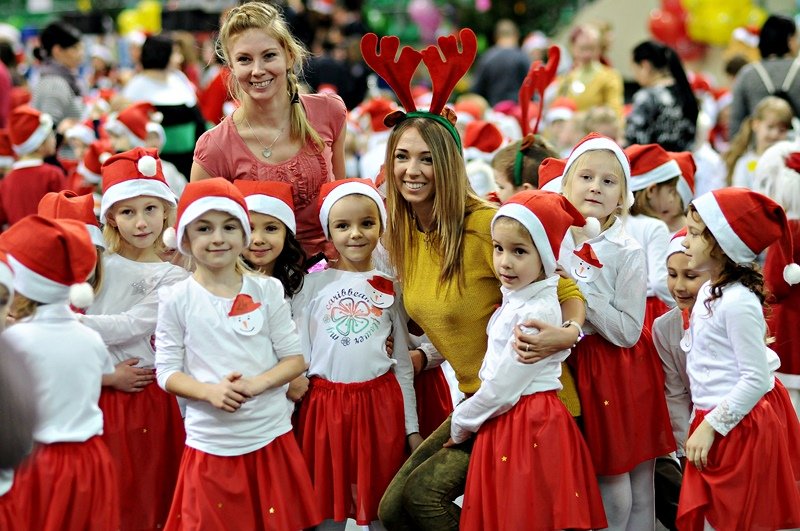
<point>436,118</point>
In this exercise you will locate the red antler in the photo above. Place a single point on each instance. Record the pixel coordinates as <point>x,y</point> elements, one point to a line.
<point>445,73</point>
<point>398,73</point>
<point>537,80</point>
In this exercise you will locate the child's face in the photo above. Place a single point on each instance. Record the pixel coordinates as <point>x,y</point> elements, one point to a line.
<point>595,186</point>
<point>49,146</point>
<point>683,282</point>
<point>354,225</point>
<point>505,188</point>
<point>516,260</point>
<point>698,248</point>
<point>413,169</point>
<point>78,147</point>
<point>267,236</point>
<point>120,143</point>
<point>139,220</point>
<point>216,239</point>
<point>768,131</point>
<point>665,201</point>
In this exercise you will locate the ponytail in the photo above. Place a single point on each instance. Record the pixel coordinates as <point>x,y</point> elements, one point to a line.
<point>688,101</point>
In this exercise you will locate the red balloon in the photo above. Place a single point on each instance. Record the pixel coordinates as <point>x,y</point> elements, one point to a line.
<point>666,26</point>
<point>673,6</point>
<point>689,50</point>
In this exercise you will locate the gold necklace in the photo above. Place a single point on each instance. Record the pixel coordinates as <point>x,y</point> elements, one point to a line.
<point>267,152</point>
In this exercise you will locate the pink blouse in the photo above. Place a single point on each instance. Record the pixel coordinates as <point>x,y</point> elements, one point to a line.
<point>221,152</point>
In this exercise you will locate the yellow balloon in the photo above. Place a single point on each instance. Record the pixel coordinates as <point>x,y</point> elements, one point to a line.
<point>150,15</point>
<point>128,21</point>
<point>756,16</point>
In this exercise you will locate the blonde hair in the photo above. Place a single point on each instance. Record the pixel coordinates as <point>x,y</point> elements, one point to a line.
<point>745,137</point>
<point>267,18</point>
<point>114,240</point>
<point>96,281</point>
<point>22,306</point>
<point>641,203</point>
<point>453,200</point>
<point>623,184</point>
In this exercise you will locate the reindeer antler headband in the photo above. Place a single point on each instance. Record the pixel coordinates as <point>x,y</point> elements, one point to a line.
<point>538,78</point>
<point>446,64</point>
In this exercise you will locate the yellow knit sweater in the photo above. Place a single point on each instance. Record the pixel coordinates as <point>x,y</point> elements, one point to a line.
<point>455,320</point>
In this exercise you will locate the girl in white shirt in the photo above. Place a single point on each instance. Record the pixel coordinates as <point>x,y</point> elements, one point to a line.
<point>69,481</point>
<point>525,434</point>
<point>743,447</point>
<point>143,425</point>
<point>226,342</point>
<point>360,408</point>
<point>618,374</point>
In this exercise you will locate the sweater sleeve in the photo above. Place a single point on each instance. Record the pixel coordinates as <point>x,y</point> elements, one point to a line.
<point>568,289</point>
<point>679,400</point>
<point>170,346</point>
<point>404,370</point>
<point>283,331</point>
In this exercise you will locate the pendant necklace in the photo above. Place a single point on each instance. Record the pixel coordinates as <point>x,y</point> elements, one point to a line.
<point>267,152</point>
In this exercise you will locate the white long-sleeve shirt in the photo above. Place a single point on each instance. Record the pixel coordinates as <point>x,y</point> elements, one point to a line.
<point>615,300</point>
<point>504,380</point>
<point>343,331</point>
<point>125,311</point>
<point>67,361</point>
<point>196,336</point>
<point>729,364</point>
<point>653,235</point>
<point>667,334</point>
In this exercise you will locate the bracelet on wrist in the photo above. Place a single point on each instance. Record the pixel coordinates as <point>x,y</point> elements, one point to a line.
<point>570,322</point>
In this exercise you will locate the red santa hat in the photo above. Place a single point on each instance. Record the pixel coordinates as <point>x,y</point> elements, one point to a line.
<point>551,173</point>
<point>598,142</point>
<point>546,216</point>
<point>381,284</point>
<point>481,139</point>
<point>28,129</point>
<point>471,108</point>
<point>51,260</point>
<point>66,204</point>
<point>377,109</point>
<point>6,275</point>
<point>676,243</point>
<point>133,173</point>
<point>562,108</point>
<point>94,157</point>
<point>745,223</point>
<point>81,132</point>
<point>272,198</point>
<point>686,163</point>
<point>7,157</point>
<point>650,164</point>
<point>586,253</point>
<point>332,191</point>
<point>132,122</point>
<point>203,196</point>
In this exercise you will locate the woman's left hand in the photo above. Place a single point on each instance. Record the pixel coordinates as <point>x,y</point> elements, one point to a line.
<point>699,444</point>
<point>531,348</point>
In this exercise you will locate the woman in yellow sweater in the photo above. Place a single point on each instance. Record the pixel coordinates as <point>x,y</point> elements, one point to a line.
<point>438,239</point>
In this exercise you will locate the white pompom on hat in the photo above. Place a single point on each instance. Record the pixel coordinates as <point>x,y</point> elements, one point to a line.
<point>51,260</point>
<point>598,142</point>
<point>332,191</point>
<point>745,223</point>
<point>273,198</point>
<point>133,173</point>
<point>546,216</point>
<point>203,196</point>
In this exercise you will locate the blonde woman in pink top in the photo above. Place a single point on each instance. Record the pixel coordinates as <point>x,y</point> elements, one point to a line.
<point>276,134</point>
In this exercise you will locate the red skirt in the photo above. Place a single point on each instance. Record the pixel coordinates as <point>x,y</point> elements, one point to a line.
<point>353,439</point>
<point>144,433</point>
<point>748,483</point>
<point>267,489</point>
<point>653,309</point>
<point>535,443</point>
<point>779,399</point>
<point>434,402</point>
<point>625,416</point>
<point>68,486</point>
<point>9,514</point>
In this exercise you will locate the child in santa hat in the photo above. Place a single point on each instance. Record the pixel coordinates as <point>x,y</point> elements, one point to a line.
<point>359,397</point>
<point>144,429</point>
<point>626,423</point>
<point>740,427</point>
<point>69,482</point>
<point>525,435</point>
<point>33,139</point>
<point>226,342</point>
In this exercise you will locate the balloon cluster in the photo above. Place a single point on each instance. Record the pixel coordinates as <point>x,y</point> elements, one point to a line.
<point>713,22</point>
<point>669,24</point>
<point>146,17</point>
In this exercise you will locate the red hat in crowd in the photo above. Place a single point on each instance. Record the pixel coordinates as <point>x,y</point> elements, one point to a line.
<point>686,163</point>
<point>94,157</point>
<point>66,204</point>
<point>133,173</point>
<point>650,164</point>
<point>551,173</point>
<point>272,198</point>
<point>28,129</point>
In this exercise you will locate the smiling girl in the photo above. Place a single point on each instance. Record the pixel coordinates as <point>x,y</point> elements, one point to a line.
<point>276,134</point>
<point>226,342</point>
<point>615,366</point>
<point>360,409</point>
<point>143,427</point>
